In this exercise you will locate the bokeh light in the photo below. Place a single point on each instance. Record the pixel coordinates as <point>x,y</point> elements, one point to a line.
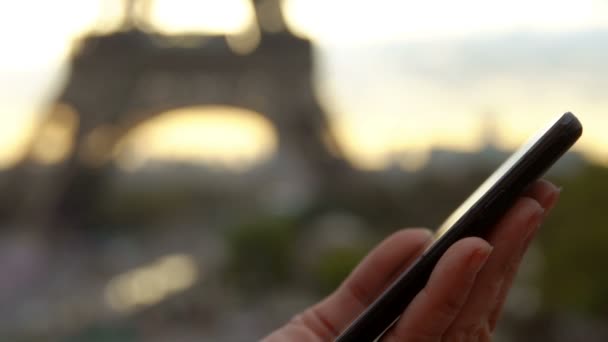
<point>150,284</point>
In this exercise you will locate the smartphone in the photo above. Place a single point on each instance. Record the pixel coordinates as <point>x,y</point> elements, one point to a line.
<point>475,217</point>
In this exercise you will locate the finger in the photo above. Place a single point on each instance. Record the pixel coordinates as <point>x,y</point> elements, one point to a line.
<point>508,239</point>
<point>329,317</point>
<point>545,192</point>
<point>506,285</point>
<point>548,201</point>
<point>437,305</point>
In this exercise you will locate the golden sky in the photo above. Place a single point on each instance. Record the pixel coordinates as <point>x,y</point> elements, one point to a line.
<point>383,102</point>
<point>228,137</point>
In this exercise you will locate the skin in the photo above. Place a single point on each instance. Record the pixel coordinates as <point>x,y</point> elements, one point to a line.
<point>464,296</point>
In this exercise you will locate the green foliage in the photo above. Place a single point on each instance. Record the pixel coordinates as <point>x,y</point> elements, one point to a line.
<point>145,207</point>
<point>105,333</point>
<point>261,253</point>
<point>335,265</point>
<point>575,244</point>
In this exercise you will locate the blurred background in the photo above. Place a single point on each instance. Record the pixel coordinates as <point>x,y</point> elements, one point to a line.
<point>202,170</point>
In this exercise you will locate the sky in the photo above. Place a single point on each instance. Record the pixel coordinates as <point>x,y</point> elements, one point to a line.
<point>394,75</point>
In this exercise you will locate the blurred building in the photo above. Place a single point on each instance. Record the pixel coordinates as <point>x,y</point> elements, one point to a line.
<point>118,81</point>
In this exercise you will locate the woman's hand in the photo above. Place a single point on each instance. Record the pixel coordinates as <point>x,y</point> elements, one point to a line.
<point>464,296</point>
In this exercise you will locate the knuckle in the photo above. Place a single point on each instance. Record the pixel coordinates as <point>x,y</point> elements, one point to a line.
<point>359,294</point>
<point>319,323</point>
<point>493,288</point>
<point>422,337</point>
<point>418,335</point>
<point>450,306</point>
<point>465,333</point>
<point>471,332</point>
<point>447,308</point>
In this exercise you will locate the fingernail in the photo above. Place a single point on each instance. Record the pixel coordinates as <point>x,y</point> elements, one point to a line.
<point>430,235</point>
<point>551,199</point>
<point>533,225</point>
<point>479,257</point>
<point>536,218</point>
<point>555,197</point>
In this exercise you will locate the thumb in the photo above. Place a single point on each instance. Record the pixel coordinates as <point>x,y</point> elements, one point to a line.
<point>432,311</point>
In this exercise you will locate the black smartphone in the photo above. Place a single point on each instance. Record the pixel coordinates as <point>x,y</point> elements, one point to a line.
<point>475,217</point>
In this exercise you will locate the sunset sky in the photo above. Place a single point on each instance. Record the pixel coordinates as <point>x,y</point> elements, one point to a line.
<point>393,75</point>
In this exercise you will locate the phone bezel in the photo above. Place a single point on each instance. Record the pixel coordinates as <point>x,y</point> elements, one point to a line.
<point>476,220</point>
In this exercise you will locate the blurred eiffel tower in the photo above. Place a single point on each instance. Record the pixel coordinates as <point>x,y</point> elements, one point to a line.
<point>121,79</point>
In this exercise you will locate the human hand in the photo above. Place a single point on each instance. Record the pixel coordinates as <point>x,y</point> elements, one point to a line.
<point>464,296</point>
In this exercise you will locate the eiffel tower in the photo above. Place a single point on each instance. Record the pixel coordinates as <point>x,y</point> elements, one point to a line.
<point>119,80</point>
